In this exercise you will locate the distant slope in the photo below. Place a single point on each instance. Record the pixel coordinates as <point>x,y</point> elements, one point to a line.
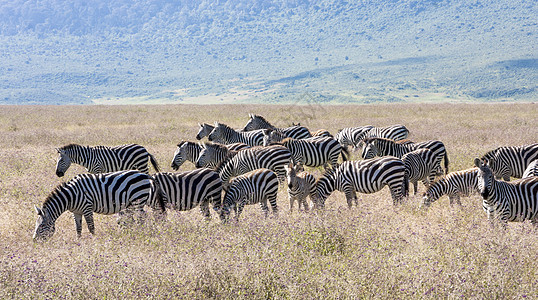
<point>61,52</point>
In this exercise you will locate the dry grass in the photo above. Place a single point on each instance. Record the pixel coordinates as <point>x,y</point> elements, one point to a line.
<point>371,251</point>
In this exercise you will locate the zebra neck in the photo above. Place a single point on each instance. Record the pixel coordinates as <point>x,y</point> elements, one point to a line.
<point>194,152</point>
<point>60,201</point>
<point>81,155</point>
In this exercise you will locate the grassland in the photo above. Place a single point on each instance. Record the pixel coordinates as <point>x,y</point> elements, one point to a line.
<point>374,250</point>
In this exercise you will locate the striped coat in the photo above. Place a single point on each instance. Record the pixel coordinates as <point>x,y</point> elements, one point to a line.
<point>506,162</point>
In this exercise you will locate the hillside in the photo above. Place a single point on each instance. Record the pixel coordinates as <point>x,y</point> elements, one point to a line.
<point>59,52</point>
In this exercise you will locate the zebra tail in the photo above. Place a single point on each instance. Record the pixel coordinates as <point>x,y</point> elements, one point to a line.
<point>154,162</point>
<point>159,195</point>
<point>345,153</point>
<point>446,163</point>
<point>405,189</point>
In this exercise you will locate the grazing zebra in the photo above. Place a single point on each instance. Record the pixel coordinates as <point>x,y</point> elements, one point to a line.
<point>258,186</point>
<point>212,154</point>
<point>532,169</point>
<point>351,136</point>
<point>240,162</point>
<point>367,176</point>
<point>322,133</point>
<point>510,161</point>
<point>186,190</point>
<point>300,186</point>
<point>455,185</point>
<point>258,122</point>
<point>315,152</point>
<point>224,134</point>
<point>510,202</point>
<point>382,147</point>
<point>421,165</point>
<point>191,151</point>
<point>105,193</point>
<point>102,159</point>
<point>204,130</point>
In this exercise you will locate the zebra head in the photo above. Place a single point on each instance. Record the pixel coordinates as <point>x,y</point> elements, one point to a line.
<point>291,175</point>
<point>271,136</point>
<point>484,178</point>
<point>253,123</point>
<point>325,185</point>
<point>44,228</point>
<point>64,161</point>
<point>369,150</point>
<point>204,130</point>
<point>180,156</point>
<point>218,134</point>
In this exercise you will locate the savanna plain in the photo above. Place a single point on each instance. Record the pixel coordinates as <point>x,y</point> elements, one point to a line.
<point>375,250</point>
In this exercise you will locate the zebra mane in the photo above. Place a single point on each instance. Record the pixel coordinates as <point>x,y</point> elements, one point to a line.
<point>253,116</point>
<point>489,155</point>
<point>57,191</point>
<point>71,147</point>
<point>216,146</point>
<point>186,143</point>
<point>374,139</point>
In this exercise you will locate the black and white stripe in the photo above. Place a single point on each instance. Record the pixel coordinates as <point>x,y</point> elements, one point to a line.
<point>506,162</point>
<point>367,176</point>
<point>102,159</point>
<point>258,122</point>
<point>382,147</point>
<point>455,184</point>
<point>322,133</point>
<point>532,169</point>
<point>421,165</point>
<point>300,186</point>
<point>509,201</point>
<point>190,151</point>
<point>107,194</point>
<point>186,190</point>
<point>351,136</point>
<point>240,162</point>
<point>212,154</point>
<point>315,152</point>
<point>258,186</point>
<point>224,134</point>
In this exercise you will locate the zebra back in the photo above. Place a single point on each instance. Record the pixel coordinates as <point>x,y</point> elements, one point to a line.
<point>352,136</point>
<point>258,122</point>
<point>314,152</point>
<point>506,162</point>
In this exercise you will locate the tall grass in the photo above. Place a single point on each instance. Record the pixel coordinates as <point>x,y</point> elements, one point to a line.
<point>374,250</point>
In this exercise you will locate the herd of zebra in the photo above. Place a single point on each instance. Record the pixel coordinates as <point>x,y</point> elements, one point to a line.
<point>248,166</point>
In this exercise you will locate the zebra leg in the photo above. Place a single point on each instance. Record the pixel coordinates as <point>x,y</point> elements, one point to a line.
<point>303,201</point>
<point>396,194</point>
<point>292,199</point>
<point>238,209</point>
<point>454,198</point>
<point>265,209</point>
<point>272,200</point>
<point>88,216</point>
<point>415,186</point>
<point>350,196</point>
<point>204,208</point>
<point>78,224</point>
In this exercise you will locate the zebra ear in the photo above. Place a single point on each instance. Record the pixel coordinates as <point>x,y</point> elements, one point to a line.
<point>478,162</point>
<point>57,150</point>
<point>38,211</point>
<point>251,115</point>
<point>216,123</point>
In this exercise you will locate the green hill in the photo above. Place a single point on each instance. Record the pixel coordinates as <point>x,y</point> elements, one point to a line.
<point>60,52</point>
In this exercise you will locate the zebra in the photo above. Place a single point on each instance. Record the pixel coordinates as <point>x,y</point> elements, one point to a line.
<point>322,133</point>
<point>455,185</point>
<point>258,186</point>
<point>102,159</point>
<point>532,169</point>
<point>204,130</point>
<point>212,154</point>
<point>259,122</point>
<point>224,134</point>
<point>351,136</point>
<point>186,190</point>
<point>240,162</point>
<point>104,193</point>
<point>366,176</point>
<point>315,152</point>
<point>510,161</point>
<point>300,185</point>
<point>421,165</point>
<point>380,147</point>
<point>191,151</point>
<point>510,201</point>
